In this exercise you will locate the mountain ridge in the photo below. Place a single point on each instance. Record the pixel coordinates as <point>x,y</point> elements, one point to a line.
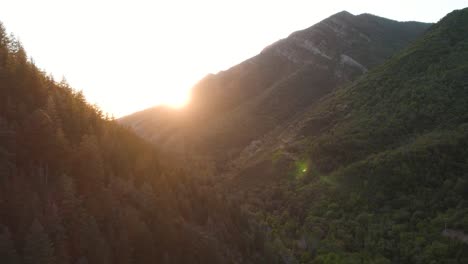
<point>240,104</point>
<point>346,143</point>
<point>377,172</point>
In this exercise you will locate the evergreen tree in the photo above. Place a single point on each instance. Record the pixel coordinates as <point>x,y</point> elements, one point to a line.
<point>88,165</point>
<point>38,248</point>
<point>95,247</point>
<point>8,254</point>
<point>57,231</point>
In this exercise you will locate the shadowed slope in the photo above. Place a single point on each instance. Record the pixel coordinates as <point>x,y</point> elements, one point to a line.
<point>375,172</point>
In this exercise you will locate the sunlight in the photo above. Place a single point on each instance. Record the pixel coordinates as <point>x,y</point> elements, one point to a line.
<point>172,89</point>
<point>165,46</point>
<point>175,98</point>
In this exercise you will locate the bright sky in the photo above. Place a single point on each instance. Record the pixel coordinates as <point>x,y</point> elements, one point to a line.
<point>134,54</point>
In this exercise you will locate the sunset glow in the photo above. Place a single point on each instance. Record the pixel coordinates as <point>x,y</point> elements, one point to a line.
<point>131,55</point>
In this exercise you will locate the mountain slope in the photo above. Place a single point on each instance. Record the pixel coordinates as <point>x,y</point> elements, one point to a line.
<point>376,172</point>
<point>239,105</point>
<point>76,187</point>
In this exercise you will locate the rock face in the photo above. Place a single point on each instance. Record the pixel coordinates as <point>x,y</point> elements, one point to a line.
<point>232,109</point>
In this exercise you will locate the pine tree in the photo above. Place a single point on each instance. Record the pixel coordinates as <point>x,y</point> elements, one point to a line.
<point>6,136</point>
<point>36,137</point>
<point>119,239</point>
<point>51,110</point>
<point>38,248</point>
<point>95,246</point>
<point>140,236</point>
<point>88,165</point>
<point>58,235</point>
<point>8,253</point>
<point>72,213</point>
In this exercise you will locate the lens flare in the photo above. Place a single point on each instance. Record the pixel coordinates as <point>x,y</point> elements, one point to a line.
<point>301,168</point>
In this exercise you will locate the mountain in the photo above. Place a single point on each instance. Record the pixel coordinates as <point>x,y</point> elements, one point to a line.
<point>237,106</point>
<point>355,152</point>
<point>76,187</point>
<point>374,172</point>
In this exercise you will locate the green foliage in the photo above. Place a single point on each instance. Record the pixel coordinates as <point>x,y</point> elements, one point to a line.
<point>382,178</point>
<point>391,159</point>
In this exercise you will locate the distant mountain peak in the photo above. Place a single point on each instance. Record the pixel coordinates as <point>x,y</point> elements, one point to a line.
<point>300,34</point>
<point>328,39</point>
<point>343,13</point>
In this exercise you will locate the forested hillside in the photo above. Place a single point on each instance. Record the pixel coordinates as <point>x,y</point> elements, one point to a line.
<point>76,187</point>
<point>378,170</point>
<point>330,153</point>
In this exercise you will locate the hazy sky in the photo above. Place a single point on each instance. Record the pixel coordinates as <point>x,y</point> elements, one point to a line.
<point>130,55</point>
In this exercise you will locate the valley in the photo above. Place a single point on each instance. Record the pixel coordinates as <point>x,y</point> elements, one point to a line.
<point>346,142</point>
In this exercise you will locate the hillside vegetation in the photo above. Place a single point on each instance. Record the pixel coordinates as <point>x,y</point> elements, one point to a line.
<point>346,142</point>
<point>380,168</point>
<point>76,187</point>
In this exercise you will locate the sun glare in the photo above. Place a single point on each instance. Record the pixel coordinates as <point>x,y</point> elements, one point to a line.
<point>166,49</point>
<point>175,98</point>
<point>171,90</point>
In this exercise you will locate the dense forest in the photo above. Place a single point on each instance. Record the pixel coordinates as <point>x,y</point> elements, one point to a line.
<point>374,171</point>
<point>334,171</point>
<point>382,168</point>
<point>76,187</point>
